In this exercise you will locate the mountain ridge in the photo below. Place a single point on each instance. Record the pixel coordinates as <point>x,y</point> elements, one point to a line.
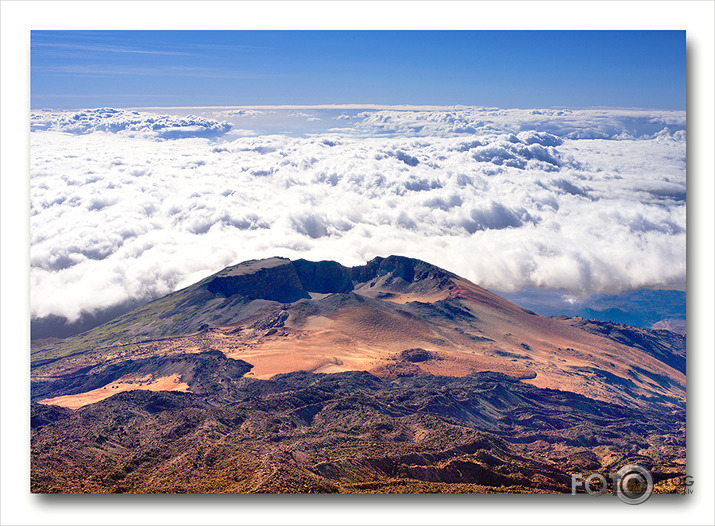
<point>281,316</point>
<point>394,376</point>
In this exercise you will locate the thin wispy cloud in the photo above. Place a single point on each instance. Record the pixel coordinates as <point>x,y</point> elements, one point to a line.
<point>105,48</point>
<point>87,48</point>
<point>229,47</point>
<point>99,70</point>
<point>85,96</point>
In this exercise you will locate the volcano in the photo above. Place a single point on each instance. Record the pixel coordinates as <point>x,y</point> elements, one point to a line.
<point>395,375</point>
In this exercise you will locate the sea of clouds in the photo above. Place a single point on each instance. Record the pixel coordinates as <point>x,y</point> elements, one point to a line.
<point>131,205</point>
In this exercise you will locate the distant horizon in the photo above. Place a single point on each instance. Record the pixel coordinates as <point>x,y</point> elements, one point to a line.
<point>356,106</point>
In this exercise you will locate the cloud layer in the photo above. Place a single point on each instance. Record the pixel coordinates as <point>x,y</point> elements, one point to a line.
<point>132,205</point>
<point>129,123</point>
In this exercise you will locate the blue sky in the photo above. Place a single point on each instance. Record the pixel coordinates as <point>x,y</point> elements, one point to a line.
<point>509,69</point>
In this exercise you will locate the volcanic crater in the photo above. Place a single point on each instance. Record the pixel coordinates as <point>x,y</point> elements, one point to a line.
<point>323,348</point>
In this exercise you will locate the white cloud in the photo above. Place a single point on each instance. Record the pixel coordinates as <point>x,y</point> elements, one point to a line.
<point>571,124</point>
<point>124,206</point>
<point>133,123</point>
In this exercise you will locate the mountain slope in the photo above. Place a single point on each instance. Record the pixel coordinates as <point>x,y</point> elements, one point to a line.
<point>282,316</point>
<point>437,385</point>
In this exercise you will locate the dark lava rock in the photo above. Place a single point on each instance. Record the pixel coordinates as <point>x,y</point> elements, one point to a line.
<point>323,276</point>
<point>416,355</point>
<point>347,432</point>
<point>41,415</point>
<point>398,266</point>
<point>206,372</point>
<point>279,279</point>
<point>270,279</point>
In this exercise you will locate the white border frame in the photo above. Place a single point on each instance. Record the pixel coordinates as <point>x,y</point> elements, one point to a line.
<point>18,506</point>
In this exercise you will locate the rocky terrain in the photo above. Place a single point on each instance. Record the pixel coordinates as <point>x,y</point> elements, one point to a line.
<point>394,376</point>
<point>344,432</point>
